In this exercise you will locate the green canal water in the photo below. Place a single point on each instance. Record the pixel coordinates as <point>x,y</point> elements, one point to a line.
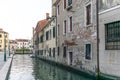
<point>26,68</point>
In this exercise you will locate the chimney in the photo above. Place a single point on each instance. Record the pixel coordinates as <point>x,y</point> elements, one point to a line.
<point>47,16</point>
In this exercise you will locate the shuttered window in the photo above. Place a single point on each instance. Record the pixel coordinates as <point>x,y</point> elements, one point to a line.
<point>53,32</point>
<point>47,35</point>
<point>53,52</point>
<point>64,52</point>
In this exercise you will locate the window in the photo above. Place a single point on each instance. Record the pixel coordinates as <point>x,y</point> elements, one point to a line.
<point>53,52</point>
<point>69,2</point>
<point>58,51</point>
<point>53,32</point>
<point>0,35</point>
<point>58,12</point>
<point>47,35</point>
<point>71,23</point>
<point>41,52</point>
<point>88,51</point>
<point>64,4</point>
<point>50,34</point>
<point>88,14</point>
<point>41,38</point>
<point>64,52</point>
<point>64,29</point>
<point>50,52</point>
<point>112,36</point>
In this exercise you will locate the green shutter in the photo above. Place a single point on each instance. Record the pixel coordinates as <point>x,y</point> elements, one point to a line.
<point>53,32</point>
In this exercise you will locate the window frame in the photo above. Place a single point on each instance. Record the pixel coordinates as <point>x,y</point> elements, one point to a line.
<point>54,52</point>
<point>54,32</point>
<point>112,36</point>
<point>70,2</point>
<point>58,50</point>
<point>64,27</point>
<point>64,52</point>
<point>64,4</point>
<point>71,23</point>
<point>89,3</point>
<point>90,57</point>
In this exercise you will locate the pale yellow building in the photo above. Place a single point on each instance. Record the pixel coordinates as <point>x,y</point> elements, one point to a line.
<point>4,40</point>
<point>50,40</point>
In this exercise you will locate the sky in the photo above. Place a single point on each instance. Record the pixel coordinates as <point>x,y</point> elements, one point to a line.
<point>17,17</point>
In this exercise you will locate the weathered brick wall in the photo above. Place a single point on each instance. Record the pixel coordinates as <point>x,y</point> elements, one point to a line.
<point>81,34</point>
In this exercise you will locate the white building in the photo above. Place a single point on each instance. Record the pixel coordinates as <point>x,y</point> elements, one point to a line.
<point>23,43</point>
<point>109,34</point>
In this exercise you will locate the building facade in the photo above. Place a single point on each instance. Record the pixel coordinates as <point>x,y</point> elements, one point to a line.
<point>50,40</point>
<point>76,43</point>
<point>4,40</point>
<point>39,46</point>
<point>109,28</point>
<point>13,45</point>
<point>23,43</point>
<point>76,40</point>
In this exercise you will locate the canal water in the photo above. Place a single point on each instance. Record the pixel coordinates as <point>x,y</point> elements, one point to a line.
<point>26,68</point>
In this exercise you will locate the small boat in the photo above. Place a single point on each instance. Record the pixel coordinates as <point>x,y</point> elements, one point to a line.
<point>32,55</point>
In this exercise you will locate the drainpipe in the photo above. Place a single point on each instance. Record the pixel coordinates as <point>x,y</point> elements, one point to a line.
<point>98,40</point>
<point>56,30</point>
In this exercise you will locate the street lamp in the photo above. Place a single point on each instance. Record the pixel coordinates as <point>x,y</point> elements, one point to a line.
<point>4,46</point>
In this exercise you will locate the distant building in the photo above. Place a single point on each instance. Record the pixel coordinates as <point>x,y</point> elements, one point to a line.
<point>4,40</point>
<point>13,45</point>
<point>23,43</point>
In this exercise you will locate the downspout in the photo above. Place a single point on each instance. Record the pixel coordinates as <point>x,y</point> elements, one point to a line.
<point>98,40</point>
<point>56,31</point>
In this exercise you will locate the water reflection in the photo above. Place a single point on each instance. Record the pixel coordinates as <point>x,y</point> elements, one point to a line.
<point>26,68</point>
<point>22,68</point>
<point>45,71</point>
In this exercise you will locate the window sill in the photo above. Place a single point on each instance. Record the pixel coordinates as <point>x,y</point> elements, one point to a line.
<point>89,25</point>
